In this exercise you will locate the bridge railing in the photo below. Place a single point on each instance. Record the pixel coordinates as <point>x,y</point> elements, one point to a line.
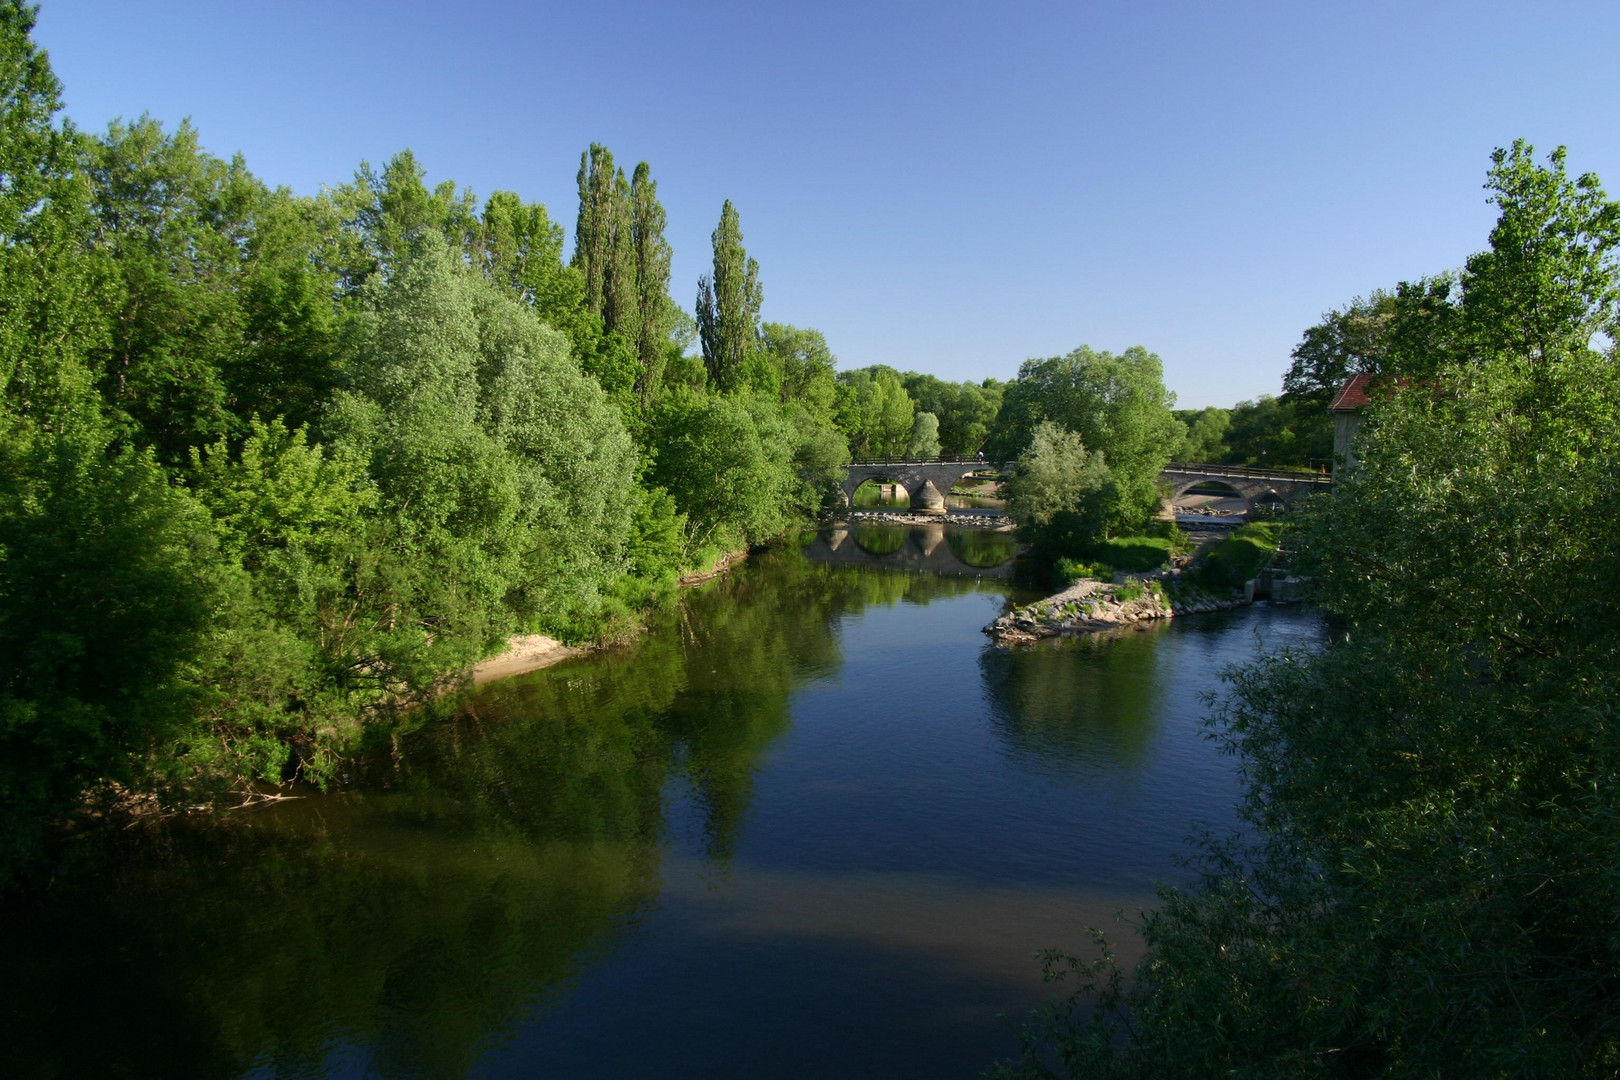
<point>1253,472</point>
<point>975,462</point>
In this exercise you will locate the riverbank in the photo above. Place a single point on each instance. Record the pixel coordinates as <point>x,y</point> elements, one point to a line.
<point>531,652</point>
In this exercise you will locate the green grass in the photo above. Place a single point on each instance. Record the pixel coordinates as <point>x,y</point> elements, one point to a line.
<point>1069,571</point>
<point>1134,554</point>
<point>1237,558</point>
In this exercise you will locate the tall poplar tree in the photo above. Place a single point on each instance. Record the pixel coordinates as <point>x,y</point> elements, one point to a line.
<point>621,312</point>
<point>595,190</point>
<point>652,255</point>
<point>728,305</point>
<point>603,249</point>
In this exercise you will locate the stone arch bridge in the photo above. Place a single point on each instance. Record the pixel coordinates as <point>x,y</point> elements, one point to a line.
<point>928,482</point>
<point>1254,484</point>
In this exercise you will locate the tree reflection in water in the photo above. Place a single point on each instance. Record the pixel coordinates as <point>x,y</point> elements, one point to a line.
<point>476,865</point>
<point>1078,707</point>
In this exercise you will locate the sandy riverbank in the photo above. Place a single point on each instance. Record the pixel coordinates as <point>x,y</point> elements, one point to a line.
<point>531,652</point>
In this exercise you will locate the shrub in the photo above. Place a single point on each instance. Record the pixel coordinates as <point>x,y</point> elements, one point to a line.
<point>1134,554</point>
<point>1237,558</point>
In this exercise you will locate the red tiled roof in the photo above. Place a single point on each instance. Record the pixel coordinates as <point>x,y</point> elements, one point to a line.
<point>1352,395</point>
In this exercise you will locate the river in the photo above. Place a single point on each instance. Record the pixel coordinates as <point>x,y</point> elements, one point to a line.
<point>814,825</point>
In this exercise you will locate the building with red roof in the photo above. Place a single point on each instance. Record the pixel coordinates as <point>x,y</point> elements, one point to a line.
<point>1346,409</point>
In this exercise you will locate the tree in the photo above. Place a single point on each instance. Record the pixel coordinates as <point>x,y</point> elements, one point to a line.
<point>1055,477</point>
<point>728,461</point>
<point>728,306</point>
<point>806,368</point>
<point>1412,331</point>
<point>924,445</point>
<point>605,248</point>
<point>1206,434</point>
<point>506,480</point>
<point>1348,341</point>
<point>1116,404</point>
<point>520,248</point>
<point>655,311</point>
<point>383,214</point>
<point>966,411</point>
<point>875,412</point>
<point>52,295</point>
<point>1548,284</point>
<point>107,591</point>
<point>1275,433</point>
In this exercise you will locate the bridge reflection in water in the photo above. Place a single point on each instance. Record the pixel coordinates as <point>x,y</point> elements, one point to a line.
<point>934,548</point>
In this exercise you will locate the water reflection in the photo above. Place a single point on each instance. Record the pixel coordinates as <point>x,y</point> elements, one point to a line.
<point>937,548</point>
<point>879,539</point>
<point>206,955</point>
<point>788,810</point>
<point>982,548</point>
<point>472,872</point>
<point>1077,707</point>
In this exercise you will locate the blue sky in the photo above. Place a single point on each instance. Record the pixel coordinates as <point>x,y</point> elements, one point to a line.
<point>949,187</point>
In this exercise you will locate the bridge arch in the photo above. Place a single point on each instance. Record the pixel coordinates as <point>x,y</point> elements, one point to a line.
<point>1229,491</point>
<point>880,481</point>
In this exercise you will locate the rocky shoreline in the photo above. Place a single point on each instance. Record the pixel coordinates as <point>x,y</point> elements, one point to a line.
<point>1092,607</point>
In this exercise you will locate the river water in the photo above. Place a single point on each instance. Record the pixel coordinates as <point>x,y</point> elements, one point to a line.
<point>813,826</point>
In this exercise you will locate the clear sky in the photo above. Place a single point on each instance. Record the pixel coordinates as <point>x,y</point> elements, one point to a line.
<point>945,187</point>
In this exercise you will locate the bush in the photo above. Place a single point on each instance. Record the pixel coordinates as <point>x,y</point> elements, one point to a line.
<point>1069,571</point>
<point>1238,558</point>
<point>1134,554</point>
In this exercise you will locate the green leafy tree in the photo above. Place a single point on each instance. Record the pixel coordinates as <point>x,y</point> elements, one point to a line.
<point>1274,433</point>
<point>173,220</point>
<point>728,306</point>
<point>1116,404</point>
<point>107,590</point>
<point>520,248</point>
<point>1549,283</point>
<point>966,411</point>
<point>1206,434</point>
<point>503,473</point>
<point>655,312</point>
<point>806,367</point>
<point>52,294</point>
<point>875,412</point>
<point>1411,331</point>
<point>1057,492</point>
<point>924,445</point>
<point>728,461</point>
<point>384,215</point>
